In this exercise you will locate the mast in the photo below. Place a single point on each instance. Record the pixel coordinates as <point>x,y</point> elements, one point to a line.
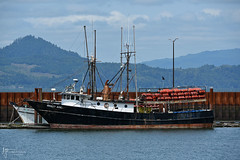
<point>135,61</point>
<point>128,55</point>
<point>89,62</point>
<point>94,66</point>
<point>121,58</point>
<point>86,43</point>
<point>91,65</point>
<point>128,58</point>
<point>93,69</point>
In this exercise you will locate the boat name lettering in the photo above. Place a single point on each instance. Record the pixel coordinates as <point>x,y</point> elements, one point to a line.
<point>50,106</point>
<point>59,107</point>
<point>53,106</point>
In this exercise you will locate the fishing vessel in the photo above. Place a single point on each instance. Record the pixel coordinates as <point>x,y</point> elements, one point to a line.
<point>26,114</point>
<point>163,108</point>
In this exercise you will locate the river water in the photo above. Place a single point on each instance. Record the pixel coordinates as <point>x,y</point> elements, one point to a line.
<point>29,144</point>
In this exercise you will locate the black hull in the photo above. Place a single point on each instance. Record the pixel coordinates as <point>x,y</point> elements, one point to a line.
<point>60,116</point>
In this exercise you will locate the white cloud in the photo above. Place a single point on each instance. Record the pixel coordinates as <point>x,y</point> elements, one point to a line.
<point>212,12</point>
<point>163,15</point>
<point>115,18</point>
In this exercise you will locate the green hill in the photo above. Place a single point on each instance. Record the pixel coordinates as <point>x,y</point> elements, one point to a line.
<point>31,62</point>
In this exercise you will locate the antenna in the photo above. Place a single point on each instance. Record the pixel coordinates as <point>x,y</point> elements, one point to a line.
<point>134,39</point>
<point>128,31</point>
<point>92,37</point>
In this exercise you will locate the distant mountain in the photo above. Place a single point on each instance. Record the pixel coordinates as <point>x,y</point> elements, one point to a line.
<point>217,58</point>
<point>31,62</point>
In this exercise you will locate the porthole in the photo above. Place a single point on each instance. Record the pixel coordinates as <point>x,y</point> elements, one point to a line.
<point>106,105</point>
<point>115,106</point>
<point>98,103</point>
<point>125,106</point>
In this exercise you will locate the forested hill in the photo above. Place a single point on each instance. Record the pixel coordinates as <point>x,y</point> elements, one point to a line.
<point>221,78</point>
<point>45,56</point>
<point>31,62</point>
<point>216,58</point>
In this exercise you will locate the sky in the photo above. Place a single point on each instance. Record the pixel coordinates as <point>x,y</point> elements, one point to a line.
<point>199,25</point>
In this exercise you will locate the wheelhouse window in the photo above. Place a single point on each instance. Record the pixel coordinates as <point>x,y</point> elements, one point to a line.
<point>77,98</point>
<point>72,97</point>
<point>68,96</point>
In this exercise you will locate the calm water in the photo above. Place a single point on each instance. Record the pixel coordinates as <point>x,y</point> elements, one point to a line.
<point>219,144</point>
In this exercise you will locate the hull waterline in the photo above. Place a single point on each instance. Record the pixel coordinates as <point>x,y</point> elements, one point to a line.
<point>132,127</point>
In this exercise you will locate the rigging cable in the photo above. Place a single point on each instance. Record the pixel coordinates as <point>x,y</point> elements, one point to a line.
<point>77,72</point>
<point>85,75</point>
<point>119,76</point>
<point>122,68</point>
<point>130,81</point>
<point>100,77</point>
<point>74,41</point>
<point>102,72</point>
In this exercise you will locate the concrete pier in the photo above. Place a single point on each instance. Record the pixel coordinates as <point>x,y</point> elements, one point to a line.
<point>216,124</point>
<point>226,124</point>
<point>23,126</point>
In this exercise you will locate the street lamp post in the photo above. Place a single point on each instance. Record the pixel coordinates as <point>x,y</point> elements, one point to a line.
<point>173,58</point>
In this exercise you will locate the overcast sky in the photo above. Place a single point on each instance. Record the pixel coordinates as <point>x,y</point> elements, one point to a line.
<point>200,25</point>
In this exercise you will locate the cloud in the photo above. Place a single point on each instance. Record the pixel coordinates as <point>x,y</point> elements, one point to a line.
<point>212,12</point>
<point>163,15</point>
<point>115,18</point>
<point>166,15</point>
<point>235,16</point>
<point>152,2</point>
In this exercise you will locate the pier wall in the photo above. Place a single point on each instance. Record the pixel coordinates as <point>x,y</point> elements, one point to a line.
<point>226,105</point>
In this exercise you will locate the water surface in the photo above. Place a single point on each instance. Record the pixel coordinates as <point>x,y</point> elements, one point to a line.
<point>212,144</point>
